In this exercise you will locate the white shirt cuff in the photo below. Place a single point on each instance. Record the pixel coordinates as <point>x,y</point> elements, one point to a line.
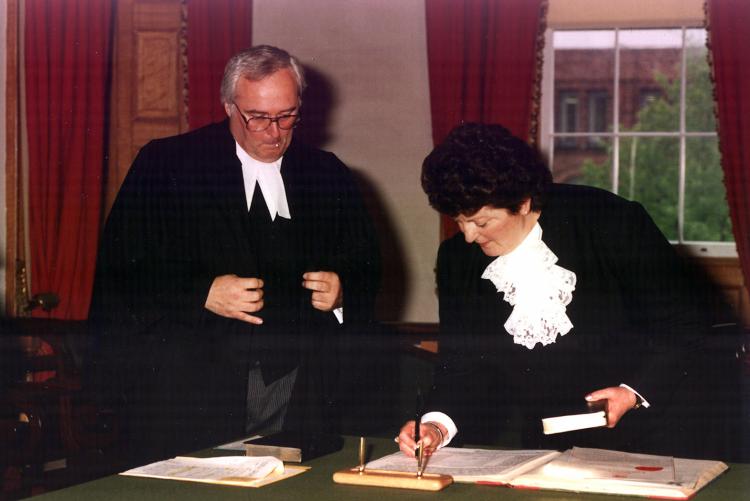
<point>441,418</point>
<point>645,402</point>
<point>339,312</point>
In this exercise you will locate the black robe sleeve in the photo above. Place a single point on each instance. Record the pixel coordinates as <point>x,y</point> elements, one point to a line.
<point>355,257</point>
<point>664,300</point>
<point>145,270</point>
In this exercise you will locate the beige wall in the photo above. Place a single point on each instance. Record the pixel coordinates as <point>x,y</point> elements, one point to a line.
<point>371,55</point>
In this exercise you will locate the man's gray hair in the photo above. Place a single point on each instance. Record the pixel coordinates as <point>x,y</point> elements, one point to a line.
<point>256,63</point>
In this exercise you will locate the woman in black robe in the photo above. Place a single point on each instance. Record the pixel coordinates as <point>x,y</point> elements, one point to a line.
<point>553,295</point>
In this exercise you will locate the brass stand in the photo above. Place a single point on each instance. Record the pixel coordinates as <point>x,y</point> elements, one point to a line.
<point>393,479</point>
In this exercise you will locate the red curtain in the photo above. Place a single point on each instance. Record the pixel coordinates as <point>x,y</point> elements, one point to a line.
<point>216,29</point>
<point>67,51</point>
<point>483,60</point>
<point>729,43</point>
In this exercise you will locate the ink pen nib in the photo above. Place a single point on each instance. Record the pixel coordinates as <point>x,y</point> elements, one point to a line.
<point>420,459</point>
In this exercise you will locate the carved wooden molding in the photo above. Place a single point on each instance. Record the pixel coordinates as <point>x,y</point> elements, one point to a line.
<point>16,292</point>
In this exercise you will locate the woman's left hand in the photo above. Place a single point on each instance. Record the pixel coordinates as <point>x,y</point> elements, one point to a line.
<point>619,401</point>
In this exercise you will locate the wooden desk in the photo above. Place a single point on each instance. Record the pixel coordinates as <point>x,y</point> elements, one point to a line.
<point>316,484</point>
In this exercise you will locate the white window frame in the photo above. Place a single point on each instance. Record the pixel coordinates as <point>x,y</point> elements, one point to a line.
<point>548,133</point>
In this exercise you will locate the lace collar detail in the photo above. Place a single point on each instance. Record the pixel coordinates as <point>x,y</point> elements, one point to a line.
<point>537,288</point>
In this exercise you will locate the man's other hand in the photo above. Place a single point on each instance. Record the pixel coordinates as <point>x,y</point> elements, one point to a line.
<point>327,293</point>
<point>234,297</point>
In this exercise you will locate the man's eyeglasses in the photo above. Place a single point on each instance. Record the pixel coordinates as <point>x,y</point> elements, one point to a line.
<point>261,123</point>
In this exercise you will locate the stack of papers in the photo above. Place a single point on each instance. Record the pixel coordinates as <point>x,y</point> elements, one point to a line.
<point>227,470</point>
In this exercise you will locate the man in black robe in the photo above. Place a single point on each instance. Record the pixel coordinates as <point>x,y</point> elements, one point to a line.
<point>236,267</point>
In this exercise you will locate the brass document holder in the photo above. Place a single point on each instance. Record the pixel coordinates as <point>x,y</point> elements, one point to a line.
<point>393,479</point>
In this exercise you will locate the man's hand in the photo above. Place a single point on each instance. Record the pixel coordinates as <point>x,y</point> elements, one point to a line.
<point>234,297</point>
<point>619,401</point>
<point>327,292</point>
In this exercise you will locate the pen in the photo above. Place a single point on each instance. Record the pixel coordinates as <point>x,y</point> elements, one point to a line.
<point>361,454</point>
<point>420,461</point>
<point>419,450</point>
<point>416,430</point>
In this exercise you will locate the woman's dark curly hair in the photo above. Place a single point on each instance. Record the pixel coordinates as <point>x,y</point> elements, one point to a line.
<point>483,164</point>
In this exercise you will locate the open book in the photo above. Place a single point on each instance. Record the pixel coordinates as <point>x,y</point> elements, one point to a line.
<point>470,465</point>
<point>225,470</point>
<point>578,470</point>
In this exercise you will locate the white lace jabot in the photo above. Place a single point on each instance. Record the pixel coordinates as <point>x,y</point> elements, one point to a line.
<point>536,287</point>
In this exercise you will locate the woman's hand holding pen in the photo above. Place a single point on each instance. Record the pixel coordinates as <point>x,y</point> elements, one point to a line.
<point>431,435</point>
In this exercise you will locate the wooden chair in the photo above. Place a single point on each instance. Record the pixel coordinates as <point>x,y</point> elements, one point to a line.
<point>53,432</point>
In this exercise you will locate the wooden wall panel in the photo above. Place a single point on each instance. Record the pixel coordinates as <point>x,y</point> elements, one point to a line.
<point>157,15</point>
<point>157,67</point>
<point>148,81</point>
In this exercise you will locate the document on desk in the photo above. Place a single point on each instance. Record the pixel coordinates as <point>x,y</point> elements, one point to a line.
<point>470,465</point>
<point>240,471</point>
<point>577,470</point>
<point>613,472</point>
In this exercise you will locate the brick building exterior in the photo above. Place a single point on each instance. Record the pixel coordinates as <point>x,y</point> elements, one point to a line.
<point>584,90</point>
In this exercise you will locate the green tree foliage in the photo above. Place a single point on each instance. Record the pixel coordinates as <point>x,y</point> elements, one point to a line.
<point>648,169</point>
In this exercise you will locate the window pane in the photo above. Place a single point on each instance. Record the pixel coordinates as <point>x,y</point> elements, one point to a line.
<point>650,79</point>
<point>585,164</point>
<point>566,118</point>
<point>706,209</point>
<point>584,39</point>
<point>699,105</point>
<point>649,174</point>
<point>584,82</point>
<point>598,111</point>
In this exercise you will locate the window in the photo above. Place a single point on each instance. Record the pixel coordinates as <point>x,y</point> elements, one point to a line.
<point>567,117</point>
<point>597,116</point>
<point>647,131</point>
